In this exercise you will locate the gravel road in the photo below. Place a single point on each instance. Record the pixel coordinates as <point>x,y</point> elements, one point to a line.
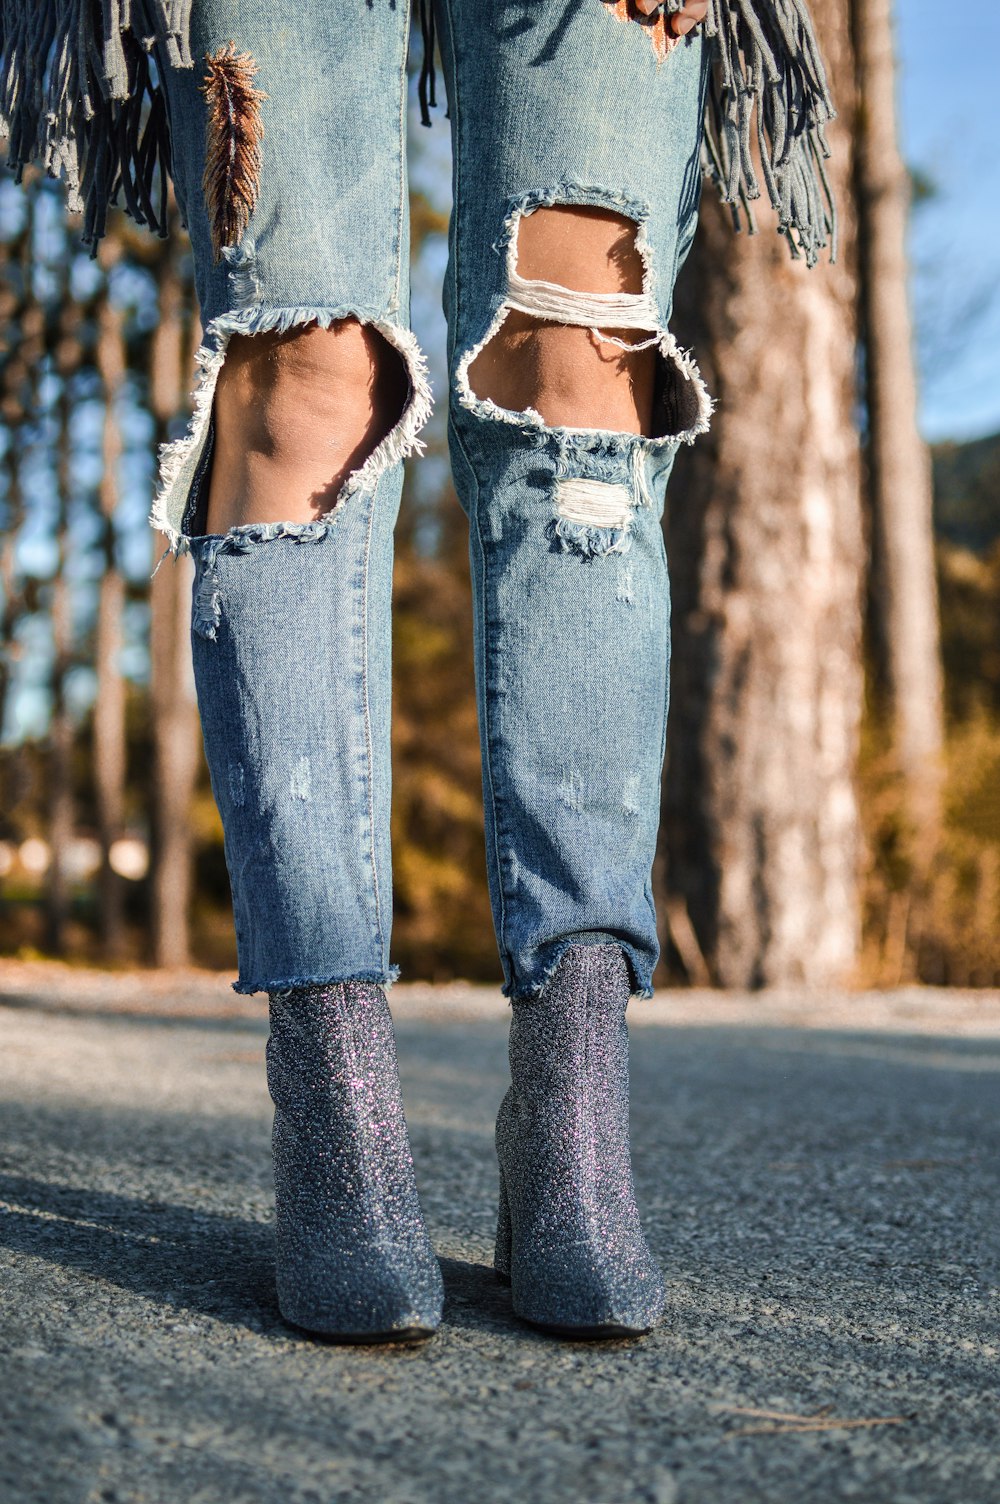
<point>818,1174</point>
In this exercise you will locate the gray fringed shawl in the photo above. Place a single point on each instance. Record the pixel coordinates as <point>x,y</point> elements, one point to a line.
<point>78,97</point>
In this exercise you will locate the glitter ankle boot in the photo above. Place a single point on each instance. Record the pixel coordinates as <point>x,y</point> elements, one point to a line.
<point>568,1233</point>
<point>354,1261</point>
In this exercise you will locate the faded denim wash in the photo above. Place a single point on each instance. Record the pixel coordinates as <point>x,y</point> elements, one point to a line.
<point>291,623</point>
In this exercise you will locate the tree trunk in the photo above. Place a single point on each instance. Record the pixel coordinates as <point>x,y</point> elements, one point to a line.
<point>59,763</point>
<point>767,556</point>
<point>109,750</point>
<point>904,591</point>
<point>14,274</point>
<point>175,763</point>
<point>175,731</point>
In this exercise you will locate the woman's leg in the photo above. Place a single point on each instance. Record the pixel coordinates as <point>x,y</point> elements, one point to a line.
<point>286,491</point>
<point>576,164</point>
<point>576,188</point>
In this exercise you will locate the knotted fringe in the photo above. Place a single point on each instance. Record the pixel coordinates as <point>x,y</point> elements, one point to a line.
<point>427,82</point>
<point>78,97</point>
<point>766,64</point>
<point>767,73</point>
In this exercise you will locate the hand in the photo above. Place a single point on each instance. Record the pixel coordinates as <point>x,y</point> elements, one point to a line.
<point>679,22</point>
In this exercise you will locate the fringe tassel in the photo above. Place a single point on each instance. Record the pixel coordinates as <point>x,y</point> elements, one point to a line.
<point>78,97</point>
<point>427,83</point>
<point>767,75</point>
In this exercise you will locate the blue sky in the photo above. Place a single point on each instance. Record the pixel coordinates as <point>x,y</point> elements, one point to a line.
<point>949,107</point>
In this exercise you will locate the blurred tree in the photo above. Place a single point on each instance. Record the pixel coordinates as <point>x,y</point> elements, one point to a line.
<point>903,592</point>
<point>108,726</point>
<point>176,734</point>
<point>15,363</point>
<point>59,769</point>
<point>766,548</point>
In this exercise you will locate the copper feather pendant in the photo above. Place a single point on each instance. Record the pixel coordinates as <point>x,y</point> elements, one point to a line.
<point>232,155</point>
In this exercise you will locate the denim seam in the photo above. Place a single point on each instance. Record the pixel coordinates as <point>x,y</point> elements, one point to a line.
<point>454,238</point>
<point>487,737</point>
<point>366,705</point>
<point>686,230</point>
<point>455,103</point>
<point>401,148</point>
<point>650,897</point>
<point>488,748</point>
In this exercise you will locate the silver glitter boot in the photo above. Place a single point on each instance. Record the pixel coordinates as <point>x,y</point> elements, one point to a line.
<point>354,1261</point>
<point>568,1234</point>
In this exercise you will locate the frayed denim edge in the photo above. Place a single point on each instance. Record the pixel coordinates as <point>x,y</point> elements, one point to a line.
<point>178,459</point>
<point>569,193</point>
<point>530,421</point>
<point>589,539</point>
<point>381,978</point>
<point>594,540</point>
<point>641,987</point>
<point>206,610</point>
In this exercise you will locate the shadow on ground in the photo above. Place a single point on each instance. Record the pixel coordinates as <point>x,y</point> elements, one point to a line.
<point>824,1205</point>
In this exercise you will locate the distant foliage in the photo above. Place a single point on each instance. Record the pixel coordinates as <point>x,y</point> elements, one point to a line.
<point>967,493</point>
<point>943,927</point>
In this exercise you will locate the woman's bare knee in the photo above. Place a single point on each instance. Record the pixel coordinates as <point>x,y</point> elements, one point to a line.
<point>295,413</point>
<point>565,372</point>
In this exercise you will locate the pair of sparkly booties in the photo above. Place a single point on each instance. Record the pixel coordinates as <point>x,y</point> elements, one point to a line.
<point>354,1261</point>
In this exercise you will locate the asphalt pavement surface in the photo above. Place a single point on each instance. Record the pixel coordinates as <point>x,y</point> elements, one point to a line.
<point>818,1174</point>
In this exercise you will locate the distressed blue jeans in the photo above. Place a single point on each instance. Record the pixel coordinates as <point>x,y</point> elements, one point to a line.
<point>549,105</point>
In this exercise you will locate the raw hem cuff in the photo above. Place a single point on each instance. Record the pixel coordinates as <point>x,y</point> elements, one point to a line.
<point>284,984</point>
<point>640,975</point>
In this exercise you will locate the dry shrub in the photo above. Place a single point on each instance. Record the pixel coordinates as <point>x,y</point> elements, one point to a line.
<point>932,898</point>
